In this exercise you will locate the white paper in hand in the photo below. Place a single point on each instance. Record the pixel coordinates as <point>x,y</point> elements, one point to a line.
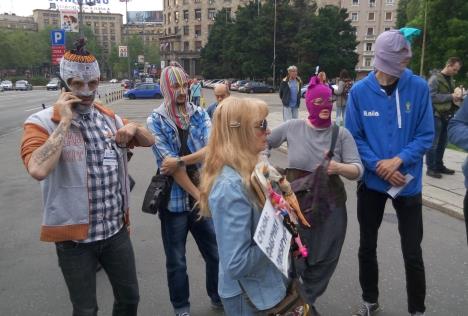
<point>273,238</point>
<point>394,191</point>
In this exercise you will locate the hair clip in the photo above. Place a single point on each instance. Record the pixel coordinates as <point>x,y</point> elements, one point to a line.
<point>234,124</point>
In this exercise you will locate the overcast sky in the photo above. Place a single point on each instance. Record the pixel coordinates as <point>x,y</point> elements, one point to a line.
<point>25,7</point>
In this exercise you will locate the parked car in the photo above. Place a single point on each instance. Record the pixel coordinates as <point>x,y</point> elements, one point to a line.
<point>54,84</point>
<point>254,87</point>
<point>239,83</point>
<point>1,88</point>
<point>113,80</point>
<point>126,84</point>
<point>144,90</point>
<point>23,85</point>
<point>7,85</point>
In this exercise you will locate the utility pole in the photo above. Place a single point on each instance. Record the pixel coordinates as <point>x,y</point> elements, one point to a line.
<point>274,50</point>
<point>421,68</point>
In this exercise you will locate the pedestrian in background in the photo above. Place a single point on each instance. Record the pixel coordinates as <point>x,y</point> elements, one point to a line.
<point>308,142</point>
<point>195,92</point>
<point>249,281</point>
<point>290,94</point>
<point>442,88</point>
<point>182,130</point>
<point>344,85</point>
<point>221,92</point>
<point>458,135</point>
<point>389,114</point>
<point>78,150</point>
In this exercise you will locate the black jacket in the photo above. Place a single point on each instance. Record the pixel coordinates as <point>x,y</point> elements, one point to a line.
<point>285,92</point>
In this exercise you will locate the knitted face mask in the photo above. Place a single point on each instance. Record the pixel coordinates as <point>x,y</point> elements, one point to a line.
<point>392,52</point>
<point>174,83</point>
<point>318,99</point>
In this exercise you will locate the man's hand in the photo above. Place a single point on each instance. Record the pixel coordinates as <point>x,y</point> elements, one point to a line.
<point>126,134</point>
<point>64,104</point>
<point>386,167</point>
<point>169,166</point>
<point>397,179</point>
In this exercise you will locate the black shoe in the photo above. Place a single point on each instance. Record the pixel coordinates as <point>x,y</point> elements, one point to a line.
<point>446,170</point>
<point>433,174</point>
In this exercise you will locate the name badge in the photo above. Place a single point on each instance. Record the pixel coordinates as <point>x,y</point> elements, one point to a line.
<point>110,158</point>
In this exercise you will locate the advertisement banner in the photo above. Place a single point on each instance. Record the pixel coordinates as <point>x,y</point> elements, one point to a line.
<point>137,17</point>
<point>69,21</point>
<point>100,5</point>
<point>123,51</point>
<point>57,53</point>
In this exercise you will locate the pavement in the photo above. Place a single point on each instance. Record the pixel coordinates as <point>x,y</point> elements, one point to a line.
<point>445,195</point>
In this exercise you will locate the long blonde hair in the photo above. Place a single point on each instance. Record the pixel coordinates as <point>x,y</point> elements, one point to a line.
<point>230,143</point>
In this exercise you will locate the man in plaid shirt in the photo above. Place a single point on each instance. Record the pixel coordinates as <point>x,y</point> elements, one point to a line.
<point>78,150</point>
<point>181,130</point>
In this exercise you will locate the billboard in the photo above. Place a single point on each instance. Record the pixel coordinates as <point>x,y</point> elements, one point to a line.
<point>99,5</point>
<point>137,17</point>
<point>69,21</point>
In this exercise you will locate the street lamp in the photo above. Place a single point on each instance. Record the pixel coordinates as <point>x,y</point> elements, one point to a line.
<point>80,4</point>
<point>126,35</point>
<point>274,50</point>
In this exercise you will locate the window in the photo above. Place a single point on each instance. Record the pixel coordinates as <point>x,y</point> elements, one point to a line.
<point>388,16</point>
<point>186,30</point>
<point>197,45</point>
<point>197,1</point>
<point>176,17</point>
<point>371,16</point>
<point>185,1</point>
<point>368,47</point>
<point>186,46</point>
<point>169,18</point>
<point>198,14</point>
<point>371,3</point>
<point>186,15</point>
<point>197,30</point>
<point>355,2</point>
<point>354,16</point>
<point>370,31</point>
<point>387,28</point>
<point>211,14</point>
<point>176,30</point>
<point>389,2</point>
<point>367,62</point>
<point>176,2</point>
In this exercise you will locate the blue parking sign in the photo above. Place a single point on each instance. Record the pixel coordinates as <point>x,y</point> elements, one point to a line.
<point>57,37</point>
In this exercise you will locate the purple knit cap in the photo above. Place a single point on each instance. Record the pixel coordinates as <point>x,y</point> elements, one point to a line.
<point>391,50</point>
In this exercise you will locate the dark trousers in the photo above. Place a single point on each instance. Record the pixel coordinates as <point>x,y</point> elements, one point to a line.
<point>465,212</point>
<point>78,263</point>
<point>435,155</point>
<point>370,210</point>
<point>174,230</point>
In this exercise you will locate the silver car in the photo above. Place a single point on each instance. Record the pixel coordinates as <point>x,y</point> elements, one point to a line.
<point>7,85</point>
<point>23,85</point>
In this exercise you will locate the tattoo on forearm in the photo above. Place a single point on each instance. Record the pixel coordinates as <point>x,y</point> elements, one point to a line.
<point>52,145</point>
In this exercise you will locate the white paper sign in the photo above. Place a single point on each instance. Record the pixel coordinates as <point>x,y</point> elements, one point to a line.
<point>394,191</point>
<point>273,238</point>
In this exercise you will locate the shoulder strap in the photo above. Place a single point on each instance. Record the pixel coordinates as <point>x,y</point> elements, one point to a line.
<point>335,131</point>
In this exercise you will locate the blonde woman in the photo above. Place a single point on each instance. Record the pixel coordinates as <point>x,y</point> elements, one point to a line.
<point>248,281</point>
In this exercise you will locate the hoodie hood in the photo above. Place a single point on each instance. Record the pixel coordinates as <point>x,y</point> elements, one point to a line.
<point>372,82</point>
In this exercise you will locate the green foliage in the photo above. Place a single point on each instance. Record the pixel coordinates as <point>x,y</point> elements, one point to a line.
<point>447,22</point>
<point>243,47</point>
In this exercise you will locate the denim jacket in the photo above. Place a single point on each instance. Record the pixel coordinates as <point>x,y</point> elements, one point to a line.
<point>240,259</point>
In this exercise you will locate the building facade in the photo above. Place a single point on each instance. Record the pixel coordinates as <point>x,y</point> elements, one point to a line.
<point>107,27</point>
<point>186,27</point>
<point>15,22</point>
<point>148,32</point>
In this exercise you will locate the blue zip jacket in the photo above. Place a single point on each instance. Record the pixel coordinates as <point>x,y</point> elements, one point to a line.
<point>458,133</point>
<point>387,126</point>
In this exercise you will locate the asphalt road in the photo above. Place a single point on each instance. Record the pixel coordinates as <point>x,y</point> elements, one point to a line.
<point>31,282</point>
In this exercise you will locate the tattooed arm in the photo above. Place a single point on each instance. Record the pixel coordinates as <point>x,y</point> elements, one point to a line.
<point>45,158</point>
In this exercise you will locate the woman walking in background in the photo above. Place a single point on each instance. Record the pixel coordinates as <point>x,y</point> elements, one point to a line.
<point>344,84</point>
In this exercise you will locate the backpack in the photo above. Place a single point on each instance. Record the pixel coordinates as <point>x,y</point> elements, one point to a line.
<point>347,88</point>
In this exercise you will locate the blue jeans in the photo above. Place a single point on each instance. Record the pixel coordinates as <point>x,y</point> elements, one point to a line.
<point>290,113</point>
<point>78,262</point>
<point>174,230</point>
<point>340,115</point>
<point>196,100</point>
<point>435,155</point>
<point>238,306</point>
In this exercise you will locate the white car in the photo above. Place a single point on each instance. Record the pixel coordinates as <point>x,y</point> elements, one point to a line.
<point>113,81</point>
<point>7,85</point>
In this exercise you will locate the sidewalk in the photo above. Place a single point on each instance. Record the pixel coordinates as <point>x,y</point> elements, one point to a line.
<point>445,194</point>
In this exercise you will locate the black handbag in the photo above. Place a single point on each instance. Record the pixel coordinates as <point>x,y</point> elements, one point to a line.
<point>158,193</point>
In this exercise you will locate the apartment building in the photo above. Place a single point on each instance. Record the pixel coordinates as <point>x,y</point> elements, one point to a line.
<point>15,22</point>
<point>186,27</point>
<point>148,32</point>
<point>107,27</point>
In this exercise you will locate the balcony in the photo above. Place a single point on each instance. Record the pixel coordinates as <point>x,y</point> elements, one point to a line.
<point>364,68</point>
<point>369,53</point>
<point>370,37</point>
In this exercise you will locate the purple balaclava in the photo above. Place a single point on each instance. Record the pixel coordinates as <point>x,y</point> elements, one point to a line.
<point>391,50</point>
<point>318,98</point>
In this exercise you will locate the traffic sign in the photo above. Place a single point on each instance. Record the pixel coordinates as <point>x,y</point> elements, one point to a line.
<point>57,37</point>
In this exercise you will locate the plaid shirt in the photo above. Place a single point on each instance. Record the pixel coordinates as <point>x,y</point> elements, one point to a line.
<point>168,145</point>
<point>105,198</point>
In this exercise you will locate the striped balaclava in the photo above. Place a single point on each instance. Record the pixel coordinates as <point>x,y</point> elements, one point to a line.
<point>174,83</point>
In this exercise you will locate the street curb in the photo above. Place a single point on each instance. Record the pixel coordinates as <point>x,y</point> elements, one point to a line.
<point>426,202</point>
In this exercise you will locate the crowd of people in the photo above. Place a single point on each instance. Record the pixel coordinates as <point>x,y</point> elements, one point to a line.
<point>79,151</point>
